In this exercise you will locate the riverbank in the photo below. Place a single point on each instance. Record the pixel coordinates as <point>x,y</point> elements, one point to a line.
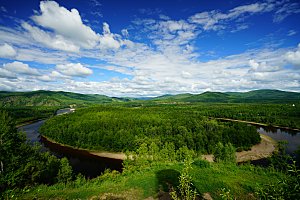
<point>257,124</point>
<point>262,150</point>
<point>102,154</point>
<point>29,122</point>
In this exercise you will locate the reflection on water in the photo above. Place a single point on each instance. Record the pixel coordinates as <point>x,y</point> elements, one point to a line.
<point>292,137</point>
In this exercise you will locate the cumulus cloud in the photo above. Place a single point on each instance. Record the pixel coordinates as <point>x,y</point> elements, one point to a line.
<point>73,69</point>
<point>7,51</point>
<point>50,40</point>
<point>66,23</point>
<point>21,68</point>
<point>109,40</point>
<point>7,74</point>
<point>262,67</point>
<point>293,57</point>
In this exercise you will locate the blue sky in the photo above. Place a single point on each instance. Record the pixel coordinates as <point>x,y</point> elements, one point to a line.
<point>149,48</point>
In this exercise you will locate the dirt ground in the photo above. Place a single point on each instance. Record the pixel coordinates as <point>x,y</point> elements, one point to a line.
<point>262,150</point>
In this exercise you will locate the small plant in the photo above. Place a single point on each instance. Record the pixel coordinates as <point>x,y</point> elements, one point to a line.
<point>186,191</point>
<point>226,195</point>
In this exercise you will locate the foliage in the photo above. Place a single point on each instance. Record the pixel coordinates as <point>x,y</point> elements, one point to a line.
<point>287,188</point>
<point>21,164</point>
<point>239,179</point>
<point>280,160</point>
<point>149,155</point>
<point>224,153</point>
<point>65,172</point>
<point>226,194</point>
<point>23,114</point>
<point>114,128</point>
<point>186,191</point>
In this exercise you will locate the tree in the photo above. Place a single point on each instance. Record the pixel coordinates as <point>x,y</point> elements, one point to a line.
<point>224,153</point>
<point>65,171</point>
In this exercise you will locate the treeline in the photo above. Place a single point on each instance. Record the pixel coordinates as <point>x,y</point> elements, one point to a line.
<point>22,165</point>
<point>120,129</point>
<point>29,113</point>
<point>287,115</point>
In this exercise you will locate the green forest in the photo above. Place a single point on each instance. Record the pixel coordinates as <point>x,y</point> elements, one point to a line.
<point>115,128</point>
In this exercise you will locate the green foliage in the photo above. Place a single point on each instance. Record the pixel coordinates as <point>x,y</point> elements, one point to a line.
<point>224,153</point>
<point>147,156</point>
<point>114,128</point>
<point>65,172</point>
<point>201,163</point>
<point>21,164</point>
<point>287,188</point>
<point>280,160</point>
<point>226,194</point>
<point>186,191</point>
<point>23,114</point>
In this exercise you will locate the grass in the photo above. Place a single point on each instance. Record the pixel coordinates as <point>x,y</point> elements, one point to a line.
<point>240,180</point>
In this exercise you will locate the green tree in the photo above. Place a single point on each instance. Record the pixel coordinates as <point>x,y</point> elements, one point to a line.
<point>65,171</point>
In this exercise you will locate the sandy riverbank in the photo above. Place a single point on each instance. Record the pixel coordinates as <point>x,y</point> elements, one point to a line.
<point>262,150</point>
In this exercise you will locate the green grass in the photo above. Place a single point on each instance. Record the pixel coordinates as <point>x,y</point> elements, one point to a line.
<point>241,180</point>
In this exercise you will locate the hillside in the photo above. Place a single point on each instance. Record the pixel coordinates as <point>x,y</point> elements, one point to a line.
<point>255,96</point>
<point>51,98</point>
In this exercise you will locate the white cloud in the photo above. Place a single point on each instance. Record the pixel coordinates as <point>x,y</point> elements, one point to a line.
<point>216,20</point>
<point>109,40</point>
<point>50,40</point>
<point>66,23</point>
<point>286,10</point>
<point>21,68</point>
<point>45,78</point>
<point>262,67</point>
<point>7,74</point>
<point>125,33</point>
<point>293,57</point>
<point>73,69</point>
<point>7,51</point>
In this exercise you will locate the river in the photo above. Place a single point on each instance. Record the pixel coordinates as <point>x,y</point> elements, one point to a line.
<point>82,162</point>
<point>92,166</point>
<point>292,137</point>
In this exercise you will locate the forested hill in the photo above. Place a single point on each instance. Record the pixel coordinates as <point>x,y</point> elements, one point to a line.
<point>60,98</point>
<point>52,98</point>
<point>255,96</point>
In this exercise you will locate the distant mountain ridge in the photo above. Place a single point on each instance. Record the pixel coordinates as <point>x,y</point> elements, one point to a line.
<point>259,96</point>
<point>51,98</point>
<point>60,98</point>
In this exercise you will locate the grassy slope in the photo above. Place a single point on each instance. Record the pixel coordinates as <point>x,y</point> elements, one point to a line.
<point>241,180</point>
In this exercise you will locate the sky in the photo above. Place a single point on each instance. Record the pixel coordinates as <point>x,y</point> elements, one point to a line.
<point>133,48</point>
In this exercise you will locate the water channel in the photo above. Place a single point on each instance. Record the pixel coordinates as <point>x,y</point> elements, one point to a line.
<point>91,166</point>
